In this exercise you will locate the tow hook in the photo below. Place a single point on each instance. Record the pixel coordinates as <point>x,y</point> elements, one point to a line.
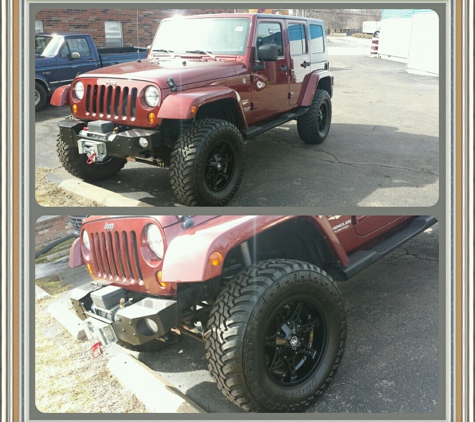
<point>91,158</point>
<point>96,350</point>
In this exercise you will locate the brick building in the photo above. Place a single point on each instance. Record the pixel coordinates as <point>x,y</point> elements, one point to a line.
<point>112,27</point>
<point>51,228</point>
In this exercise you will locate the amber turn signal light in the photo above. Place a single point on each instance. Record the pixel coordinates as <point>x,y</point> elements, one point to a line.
<point>89,268</point>
<point>159,279</point>
<point>151,117</point>
<point>193,109</point>
<point>215,259</point>
<point>75,108</point>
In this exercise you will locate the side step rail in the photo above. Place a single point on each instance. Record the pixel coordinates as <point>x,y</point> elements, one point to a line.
<point>362,259</point>
<point>287,117</point>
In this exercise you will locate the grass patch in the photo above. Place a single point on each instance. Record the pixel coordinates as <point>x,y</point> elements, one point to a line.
<point>60,247</point>
<point>50,195</point>
<point>358,35</point>
<point>53,284</point>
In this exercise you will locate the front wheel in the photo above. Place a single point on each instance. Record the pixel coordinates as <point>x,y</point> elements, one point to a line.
<point>313,126</point>
<point>40,96</point>
<point>277,335</point>
<point>207,163</point>
<point>76,164</point>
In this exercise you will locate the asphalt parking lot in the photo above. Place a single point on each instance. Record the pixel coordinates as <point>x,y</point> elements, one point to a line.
<point>392,356</point>
<point>382,150</point>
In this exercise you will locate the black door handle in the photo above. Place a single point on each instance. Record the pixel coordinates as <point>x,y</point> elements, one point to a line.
<point>282,68</point>
<point>305,64</point>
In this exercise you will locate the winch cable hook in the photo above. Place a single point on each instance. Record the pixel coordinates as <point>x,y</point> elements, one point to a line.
<point>91,159</point>
<point>96,350</point>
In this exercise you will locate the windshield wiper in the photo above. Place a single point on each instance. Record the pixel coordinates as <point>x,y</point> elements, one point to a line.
<point>208,53</point>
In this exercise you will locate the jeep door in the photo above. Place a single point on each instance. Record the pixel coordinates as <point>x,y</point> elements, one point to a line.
<point>367,224</point>
<point>270,86</point>
<point>299,58</point>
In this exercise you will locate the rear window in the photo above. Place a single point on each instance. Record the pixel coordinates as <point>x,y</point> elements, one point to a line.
<point>316,41</point>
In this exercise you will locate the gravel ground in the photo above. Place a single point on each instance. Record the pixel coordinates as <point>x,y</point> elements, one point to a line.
<point>68,379</point>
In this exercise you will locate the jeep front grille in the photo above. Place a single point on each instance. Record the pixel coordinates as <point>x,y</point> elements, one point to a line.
<point>116,255</point>
<point>111,101</point>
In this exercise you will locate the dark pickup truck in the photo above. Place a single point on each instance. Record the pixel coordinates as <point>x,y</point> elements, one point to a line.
<point>60,57</point>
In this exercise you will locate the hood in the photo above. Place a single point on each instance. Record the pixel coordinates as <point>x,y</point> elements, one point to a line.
<point>44,62</point>
<point>164,220</point>
<point>183,70</point>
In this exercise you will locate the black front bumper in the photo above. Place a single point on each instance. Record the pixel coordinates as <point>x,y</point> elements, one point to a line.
<point>144,320</point>
<point>119,144</point>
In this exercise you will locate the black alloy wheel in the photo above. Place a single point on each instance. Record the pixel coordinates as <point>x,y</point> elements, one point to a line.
<point>219,167</point>
<point>294,343</point>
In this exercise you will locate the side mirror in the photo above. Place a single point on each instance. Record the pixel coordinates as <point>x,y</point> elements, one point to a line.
<point>75,55</point>
<point>268,53</point>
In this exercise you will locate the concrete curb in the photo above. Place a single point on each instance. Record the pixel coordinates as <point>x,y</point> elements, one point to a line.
<point>99,195</point>
<point>41,294</point>
<point>152,390</point>
<point>68,320</point>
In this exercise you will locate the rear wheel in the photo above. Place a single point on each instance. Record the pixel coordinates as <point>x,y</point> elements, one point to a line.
<point>313,126</point>
<point>76,164</point>
<point>207,163</point>
<point>277,336</point>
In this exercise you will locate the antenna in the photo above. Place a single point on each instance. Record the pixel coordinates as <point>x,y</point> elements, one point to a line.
<point>137,20</point>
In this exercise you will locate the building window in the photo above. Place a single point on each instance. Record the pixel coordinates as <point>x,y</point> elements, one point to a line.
<point>113,34</point>
<point>38,27</point>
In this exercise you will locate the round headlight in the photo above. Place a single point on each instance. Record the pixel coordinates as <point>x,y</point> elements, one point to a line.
<point>155,240</point>
<point>85,240</point>
<point>79,90</point>
<point>152,96</point>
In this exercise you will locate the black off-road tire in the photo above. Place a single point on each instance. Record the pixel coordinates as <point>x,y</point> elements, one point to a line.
<point>313,126</point>
<point>76,164</point>
<point>237,349</point>
<point>40,96</point>
<point>151,346</point>
<point>205,144</point>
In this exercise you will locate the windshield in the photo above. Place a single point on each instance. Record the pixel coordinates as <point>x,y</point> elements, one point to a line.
<point>203,35</point>
<point>47,46</point>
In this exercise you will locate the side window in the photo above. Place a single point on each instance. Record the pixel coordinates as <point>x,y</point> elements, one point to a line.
<point>298,44</point>
<point>270,33</point>
<point>316,42</point>
<point>76,45</point>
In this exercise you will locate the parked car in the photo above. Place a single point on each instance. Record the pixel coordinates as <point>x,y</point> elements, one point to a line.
<point>210,83</point>
<point>258,290</point>
<point>60,57</point>
<point>375,43</point>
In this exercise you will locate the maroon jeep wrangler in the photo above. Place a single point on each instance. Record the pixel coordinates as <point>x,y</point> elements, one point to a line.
<point>259,292</point>
<point>210,82</point>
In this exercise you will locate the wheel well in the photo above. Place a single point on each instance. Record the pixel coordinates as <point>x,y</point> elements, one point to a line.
<point>296,239</point>
<point>43,84</point>
<point>225,109</point>
<point>325,84</point>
